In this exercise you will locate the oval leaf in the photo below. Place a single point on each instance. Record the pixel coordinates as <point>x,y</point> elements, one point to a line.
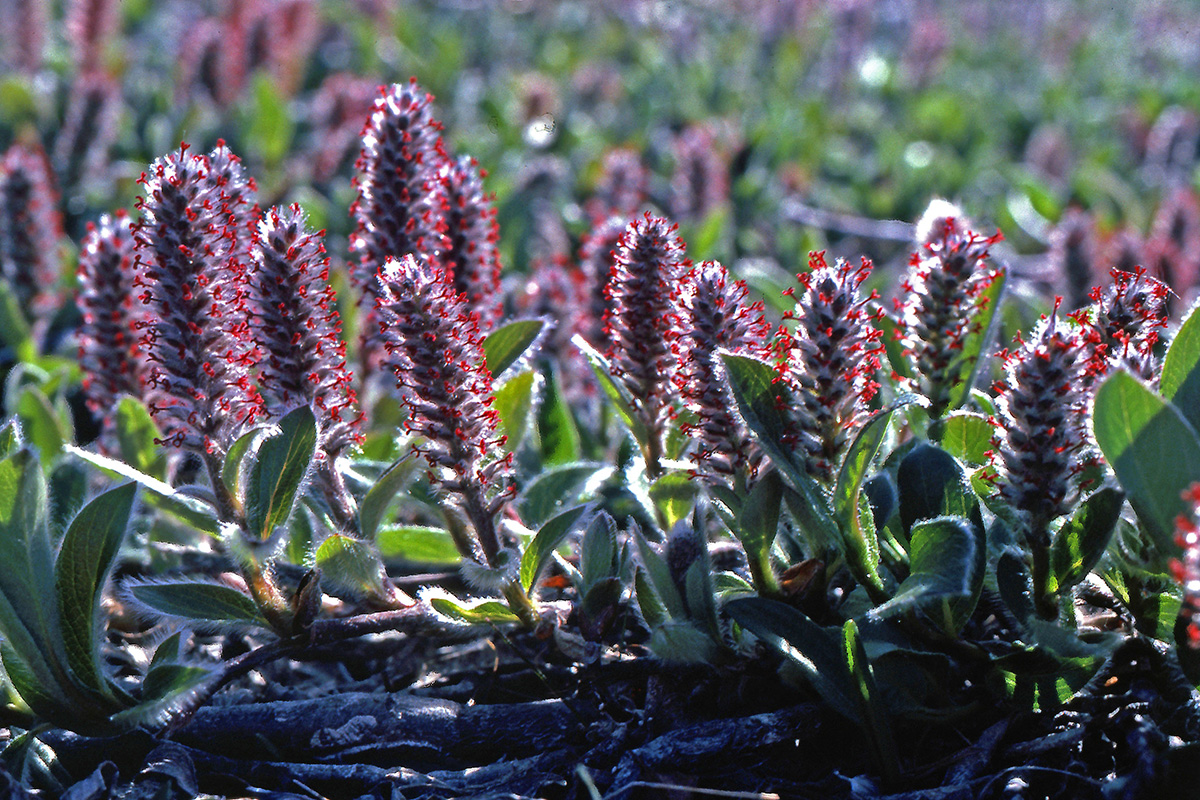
<point>948,558</point>
<point>548,538</point>
<point>506,345</point>
<point>283,462</point>
<point>418,544</point>
<point>351,566</point>
<point>88,552</point>
<point>1082,540</point>
<point>200,603</point>
<point>375,503</point>
<point>1152,449</point>
<point>1180,381</point>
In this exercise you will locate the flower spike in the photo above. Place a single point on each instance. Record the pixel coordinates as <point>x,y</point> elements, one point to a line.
<point>648,263</point>
<point>436,351</point>
<point>296,324</point>
<point>402,153</point>
<point>830,360</point>
<point>107,337</point>
<point>714,315</point>
<point>192,285</point>
<point>471,232</point>
<point>948,277</point>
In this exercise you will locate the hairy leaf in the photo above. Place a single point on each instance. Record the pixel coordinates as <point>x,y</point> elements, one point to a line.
<point>1082,540</point>
<point>1152,449</point>
<point>947,559</point>
<point>204,604</point>
<point>89,550</point>
<point>350,565</point>
<point>506,345</point>
<point>1180,382</point>
<point>275,477</point>
<point>554,488</point>
<point>548,538</point>
<point>418,544</point>
<point>375,504</point>
<point>161,495</point>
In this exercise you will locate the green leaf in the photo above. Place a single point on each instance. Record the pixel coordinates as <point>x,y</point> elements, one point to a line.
<point>967,436</point>
<point>1180,382</point>
<point>962,370</point>
<point>1082,540</point>
<point>10,437</point>
<point>14,328</point>
<point>617,393</point>
<point>674,494</point>
<point>136,435</point>
<point>506,345</point>
<point>598,550</point>
<point>658,578</point>
<point>231,470</point>
<point>162,495</point>
<point>417,544</point>
<point>554,488</point>
<point>514,406</point>
<point>874,716</point>
<point>557,432</point>
<point>859,541</point>
<point>759,521</point>
<point>379,497</point>
<point>69,485</point>
<point>204,604</point>
<point>1152,449</point>
<point>933,484</point>
<point>166,682</point>
<point>89,550</point>
<point>547,540</point>
<point>270,128</point>
<point>894,348</point>
<point>753,385</point>
<point>487,612</point>
<point>29,618</point>
<point>350,566</point>
<point>41,423</point>
<point>681,642</point>
<point>816,650</point>
<point>283,462</point>
<point>948,557</point>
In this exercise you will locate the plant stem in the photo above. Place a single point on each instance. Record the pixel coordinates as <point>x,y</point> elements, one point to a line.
<point>1044,598</point>
<point>263,589</point>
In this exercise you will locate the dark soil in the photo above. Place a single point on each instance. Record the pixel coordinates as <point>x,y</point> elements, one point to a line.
<point>391,716</point>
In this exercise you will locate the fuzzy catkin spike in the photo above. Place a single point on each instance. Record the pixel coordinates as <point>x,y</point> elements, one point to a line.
<point>30,228</point>
<point>296,324</point>
<point>830,360</point>
<point>596,260</point>
<point>436,352</point>
<point>648,264</point>
<point>715,315</point>
<point>107,337</point>
<point>700,183</point>
<point>192,282</point>
<point>89,129</point>
<point>621,189</point>
<point>1124,323</point>
<point>90,27</point>
<point>24,35</point>
<point>402,153</point>
<point>471,233</point>
<point>949,273</point>
<point>1042,402</point>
